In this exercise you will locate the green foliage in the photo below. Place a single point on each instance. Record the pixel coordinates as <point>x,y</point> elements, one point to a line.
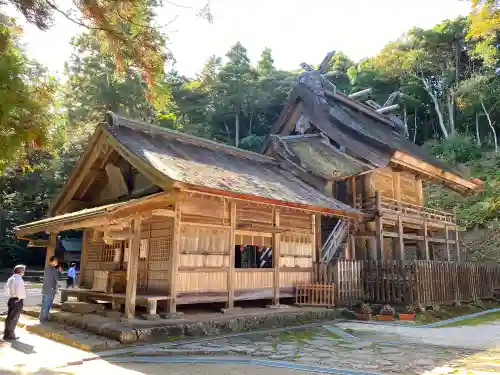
<point>26,97</point>
<point>457,149</point>
<point>445,78</point>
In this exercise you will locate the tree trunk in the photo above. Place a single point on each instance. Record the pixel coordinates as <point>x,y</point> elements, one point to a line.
<point>439,113</point>
<point>478,138</point>
<point>237,129</point>
<point>415,127</point>
<point>405,119</point>
<point>491,125</point>
<point>451,110</point>
<point>250,124</point>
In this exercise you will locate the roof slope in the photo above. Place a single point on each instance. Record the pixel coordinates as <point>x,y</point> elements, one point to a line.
<point>366,133</point>
<point>197,162</point>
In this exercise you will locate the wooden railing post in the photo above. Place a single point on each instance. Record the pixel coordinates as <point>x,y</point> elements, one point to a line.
<point>378,227</point>
<point>457,243</point>
<point>447,242</point>
<point>401,243</point>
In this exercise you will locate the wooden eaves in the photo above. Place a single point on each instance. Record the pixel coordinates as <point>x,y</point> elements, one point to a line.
<point>99,216</point>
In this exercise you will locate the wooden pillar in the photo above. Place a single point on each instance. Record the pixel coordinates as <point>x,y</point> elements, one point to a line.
<point>232,244</point>
<point>352,185</point>
<point>426,240</point>
<point>84,255</point>
<point>329,189</point>
<point>276,257</point>
<point>174,261</point>
<point>50,250</point>
<point>352,246</point>
<point>318,237</point>
<point>401,243</point>
<point>396,185</point>
<point>133,268</point>
<point>371,242</point>
<point>420,191</point>
<point>378,227</point>
<point>447,242</point>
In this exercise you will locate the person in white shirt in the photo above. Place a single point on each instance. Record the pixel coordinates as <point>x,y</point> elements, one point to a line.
<point>16,291</point>
<point>70,282</point>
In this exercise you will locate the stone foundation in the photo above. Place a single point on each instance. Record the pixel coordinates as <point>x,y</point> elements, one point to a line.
<point>136,330</point>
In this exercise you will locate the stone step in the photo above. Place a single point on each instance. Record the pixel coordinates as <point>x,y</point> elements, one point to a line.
<point>72,336</point>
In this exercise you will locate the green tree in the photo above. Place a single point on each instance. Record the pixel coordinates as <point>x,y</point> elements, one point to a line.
<point>265,66</point>
<point>26,98</point>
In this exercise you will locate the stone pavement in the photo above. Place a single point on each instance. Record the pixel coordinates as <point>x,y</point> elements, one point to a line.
<point>360,351</point>
<point>321,347</point>
<point>479,337</point>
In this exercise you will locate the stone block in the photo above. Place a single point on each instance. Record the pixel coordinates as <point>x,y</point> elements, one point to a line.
<point>175,315</point>
<point>150,317</point>
<point>120,333</point>
<point>233,310</point>
<point>278,306</point>
<point>81,307</point>
<point>195,329</point>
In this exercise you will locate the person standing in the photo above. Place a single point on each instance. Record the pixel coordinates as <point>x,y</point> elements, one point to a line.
<point>49,288</point>
<point>70,283</point>
<point>16,291</point>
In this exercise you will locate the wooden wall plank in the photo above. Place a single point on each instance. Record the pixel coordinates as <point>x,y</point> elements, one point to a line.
<point>232,250</point>
<point>276,257</point>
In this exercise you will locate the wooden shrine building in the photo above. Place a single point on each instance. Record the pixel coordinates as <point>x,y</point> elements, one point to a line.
<point>173,219</point>
<point>359,154</point>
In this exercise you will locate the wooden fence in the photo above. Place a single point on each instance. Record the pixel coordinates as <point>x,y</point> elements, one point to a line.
<point>321,295</point>
<point>398,282</point>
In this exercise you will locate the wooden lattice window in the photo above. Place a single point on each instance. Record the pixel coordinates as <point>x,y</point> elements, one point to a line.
<point>143,249</point>
<point>112,253</point>
<point>159,249</point>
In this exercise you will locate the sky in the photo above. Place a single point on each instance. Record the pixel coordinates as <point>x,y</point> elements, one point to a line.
<point>296,31</point>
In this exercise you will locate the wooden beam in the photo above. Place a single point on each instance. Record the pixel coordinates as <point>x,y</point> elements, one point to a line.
<point>79,172</point>
<point>133,269</point>
<point>38,243</point>
<point>359,94</point>
<point>116,180</point>
<point>232,251</point>
<point>401,243</point>
<point>276,257</point>
<point>378,227</point>
<point>51,248</point>
<point>427,169</point>
<point>174,259</point>
<point>190,188</point>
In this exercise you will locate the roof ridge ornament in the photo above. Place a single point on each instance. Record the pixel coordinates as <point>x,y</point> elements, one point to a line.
<point>315,80</point>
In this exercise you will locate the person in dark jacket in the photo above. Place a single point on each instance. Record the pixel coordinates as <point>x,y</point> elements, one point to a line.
<point>49,288</point>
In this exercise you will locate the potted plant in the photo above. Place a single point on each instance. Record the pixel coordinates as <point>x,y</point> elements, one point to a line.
<point>409,314</point>
<point>386,313</point>
<point>363,312</point>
